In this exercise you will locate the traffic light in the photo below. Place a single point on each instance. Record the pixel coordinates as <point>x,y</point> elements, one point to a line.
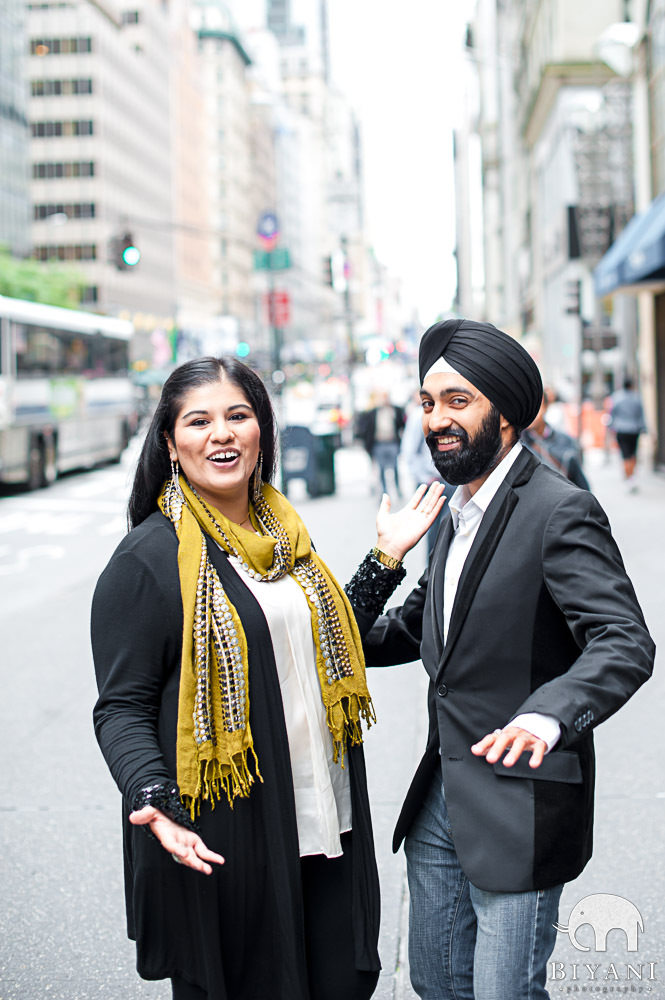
<point>124,252</point>
<point>574,298</point>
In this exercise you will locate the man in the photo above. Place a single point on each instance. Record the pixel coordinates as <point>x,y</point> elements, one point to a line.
<point>554,447</point>
<point>627,421</point>
<point>381,431</point>
<point>531,634</point>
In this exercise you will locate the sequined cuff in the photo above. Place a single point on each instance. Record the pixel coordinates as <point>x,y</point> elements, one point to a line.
<point>372,584</point>
<point>165,797</point>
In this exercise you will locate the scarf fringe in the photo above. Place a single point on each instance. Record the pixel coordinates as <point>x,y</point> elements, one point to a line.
<point>348,731</point>
<point>233,778</point>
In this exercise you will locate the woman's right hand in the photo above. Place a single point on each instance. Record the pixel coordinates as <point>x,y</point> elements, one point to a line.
<point>397,533</point>
<point>184,846</point>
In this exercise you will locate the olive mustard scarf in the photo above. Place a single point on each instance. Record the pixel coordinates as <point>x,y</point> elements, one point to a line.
<point>215,749</point>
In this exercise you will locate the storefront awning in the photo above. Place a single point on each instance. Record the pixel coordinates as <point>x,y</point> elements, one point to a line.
<point>637,257</point>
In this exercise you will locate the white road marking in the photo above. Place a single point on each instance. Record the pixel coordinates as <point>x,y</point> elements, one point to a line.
<point>24,557</point>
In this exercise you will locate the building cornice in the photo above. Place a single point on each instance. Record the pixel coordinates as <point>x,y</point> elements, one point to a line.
<point>553,77</point>
<point>226,36</point>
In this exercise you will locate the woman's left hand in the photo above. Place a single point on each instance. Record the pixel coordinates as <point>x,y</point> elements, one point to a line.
<point>397,533</point>
<point>184,846</point>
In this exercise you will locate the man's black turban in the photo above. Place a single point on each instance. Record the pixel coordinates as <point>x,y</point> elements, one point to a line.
<point>493,362</point>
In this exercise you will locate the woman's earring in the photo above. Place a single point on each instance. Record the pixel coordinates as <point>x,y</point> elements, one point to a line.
<point>257,481</point>
<point>173,495</point>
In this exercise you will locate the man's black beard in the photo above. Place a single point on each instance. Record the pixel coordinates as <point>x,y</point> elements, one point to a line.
<point>474,457</point>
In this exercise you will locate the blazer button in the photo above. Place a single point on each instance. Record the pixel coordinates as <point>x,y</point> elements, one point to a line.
<point>442,690</point>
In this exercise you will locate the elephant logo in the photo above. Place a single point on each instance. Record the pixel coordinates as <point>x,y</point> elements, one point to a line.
<point>603,912</point>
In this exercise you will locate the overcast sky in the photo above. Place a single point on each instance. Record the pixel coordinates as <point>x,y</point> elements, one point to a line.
<point>400,66</point>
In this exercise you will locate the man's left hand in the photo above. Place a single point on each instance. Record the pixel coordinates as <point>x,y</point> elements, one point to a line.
<point>514,739</point>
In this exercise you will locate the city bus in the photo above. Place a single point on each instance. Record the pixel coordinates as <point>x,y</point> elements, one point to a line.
<point>66,398</point>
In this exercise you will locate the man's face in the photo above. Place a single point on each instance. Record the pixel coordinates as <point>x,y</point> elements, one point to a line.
<point>466,435</point>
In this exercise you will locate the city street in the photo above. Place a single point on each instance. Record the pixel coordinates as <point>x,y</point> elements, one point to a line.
<point>62,932</point>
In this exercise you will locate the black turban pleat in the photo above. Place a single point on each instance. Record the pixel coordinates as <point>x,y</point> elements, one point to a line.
<point>493,362</point>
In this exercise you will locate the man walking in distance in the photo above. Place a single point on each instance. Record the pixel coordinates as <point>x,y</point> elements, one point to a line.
<point>554,447</point>
<point>627,421</point>
<point>531,634</point>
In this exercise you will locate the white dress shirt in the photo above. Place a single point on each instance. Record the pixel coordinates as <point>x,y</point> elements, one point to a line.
<point>322,788</point>
<point>467,512</point>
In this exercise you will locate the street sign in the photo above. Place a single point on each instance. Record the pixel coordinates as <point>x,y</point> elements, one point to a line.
<point>279,308</point>
<point>272,260</point>
<point>267,229</point>
<point>600,338</point>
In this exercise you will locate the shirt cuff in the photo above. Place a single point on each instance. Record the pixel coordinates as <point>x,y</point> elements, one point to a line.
<point>544,727</point>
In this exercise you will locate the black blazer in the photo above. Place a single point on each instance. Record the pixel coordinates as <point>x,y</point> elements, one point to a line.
<point>545,620</point>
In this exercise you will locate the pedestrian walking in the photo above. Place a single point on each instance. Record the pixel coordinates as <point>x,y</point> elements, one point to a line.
<point>627,421</point>
<point>531,635</point>
<point>231,691</point>
<point>380,429</point>
<point>554,447</point>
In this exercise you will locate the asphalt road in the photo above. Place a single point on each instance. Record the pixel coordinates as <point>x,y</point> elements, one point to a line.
<point>62,920</point>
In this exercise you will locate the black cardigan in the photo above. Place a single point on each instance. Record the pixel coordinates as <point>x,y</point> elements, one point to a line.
<point>238,932</point>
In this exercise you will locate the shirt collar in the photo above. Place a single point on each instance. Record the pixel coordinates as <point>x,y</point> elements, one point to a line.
<point>482,498</point>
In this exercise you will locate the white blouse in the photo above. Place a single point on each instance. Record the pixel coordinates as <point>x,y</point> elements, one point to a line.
<point>322,788</point>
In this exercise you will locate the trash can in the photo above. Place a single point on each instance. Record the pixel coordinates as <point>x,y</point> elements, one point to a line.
<point>310,457</point>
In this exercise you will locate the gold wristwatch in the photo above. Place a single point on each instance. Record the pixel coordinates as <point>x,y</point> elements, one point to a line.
<point>386,560</point>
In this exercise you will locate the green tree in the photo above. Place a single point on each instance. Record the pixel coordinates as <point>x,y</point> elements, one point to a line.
<point>40,282</point>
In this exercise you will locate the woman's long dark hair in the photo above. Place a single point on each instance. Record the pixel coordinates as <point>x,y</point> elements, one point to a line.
<point>154,465</point>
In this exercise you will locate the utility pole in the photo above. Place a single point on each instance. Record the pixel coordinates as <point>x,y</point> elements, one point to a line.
<point>573,307</point>
<point>350,325</point>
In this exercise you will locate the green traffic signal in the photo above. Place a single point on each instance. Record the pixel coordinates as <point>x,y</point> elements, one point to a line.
<point>131,255</point>
<point>123,251</point>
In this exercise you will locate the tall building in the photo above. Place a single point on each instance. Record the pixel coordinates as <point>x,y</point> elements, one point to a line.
<point>14,132</point>
<point>554,127</point>
<point>633,269</point>
<point>223,64</point>
<point>101,153</point>
<point>197,282</point>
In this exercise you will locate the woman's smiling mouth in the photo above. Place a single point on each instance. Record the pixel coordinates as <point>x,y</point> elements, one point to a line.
<point>223,457</point>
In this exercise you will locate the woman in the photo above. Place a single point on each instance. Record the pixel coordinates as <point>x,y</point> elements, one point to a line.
<point>231,691</point>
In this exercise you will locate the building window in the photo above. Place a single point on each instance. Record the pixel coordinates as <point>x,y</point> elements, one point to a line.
<point>89,295</point>
<point>47,171</point>
<point>46,130</point>
<point>59,46</point>
<point>76,251</point>
<point>56,88</point>
<point>78,210</point>
<point>130,17</point>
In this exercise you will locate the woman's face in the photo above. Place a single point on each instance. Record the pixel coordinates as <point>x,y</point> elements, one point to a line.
<point>216,441</point>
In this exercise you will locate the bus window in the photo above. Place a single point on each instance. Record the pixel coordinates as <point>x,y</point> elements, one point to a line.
<point>38,351</point>
<point>110,357</point>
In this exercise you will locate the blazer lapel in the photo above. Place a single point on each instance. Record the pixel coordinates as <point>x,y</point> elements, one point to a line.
<point>437,571</point>
<point>484,545</point>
